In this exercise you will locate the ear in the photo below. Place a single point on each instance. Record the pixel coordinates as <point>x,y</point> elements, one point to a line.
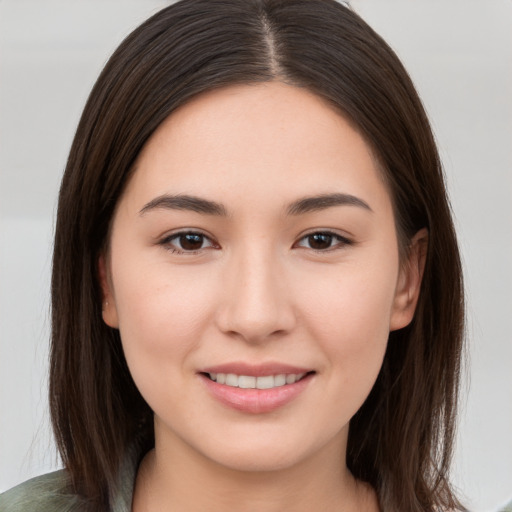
<point>108,306</point>
<point>409,282</point>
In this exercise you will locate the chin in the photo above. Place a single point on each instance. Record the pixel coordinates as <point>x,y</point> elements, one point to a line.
<point>268,453</point>
<point>258,462</point>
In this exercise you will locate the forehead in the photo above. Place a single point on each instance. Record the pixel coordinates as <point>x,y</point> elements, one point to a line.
<point>268,141</point>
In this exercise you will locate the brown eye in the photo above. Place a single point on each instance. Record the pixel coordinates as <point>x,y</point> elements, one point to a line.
<point>191,241</point>
<point>187,242</point>
<point>323,241</point>
<point>320,241</point>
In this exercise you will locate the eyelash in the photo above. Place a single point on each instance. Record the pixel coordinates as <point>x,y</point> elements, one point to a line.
<point>341,241</point>
<point>168,240</point>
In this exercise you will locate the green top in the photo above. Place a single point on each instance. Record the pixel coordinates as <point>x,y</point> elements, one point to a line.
<point>507,508</point>
<point>51,492</point>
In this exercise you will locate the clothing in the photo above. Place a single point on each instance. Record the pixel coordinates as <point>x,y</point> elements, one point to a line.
<point>507,508</point>
<point>51,492</point>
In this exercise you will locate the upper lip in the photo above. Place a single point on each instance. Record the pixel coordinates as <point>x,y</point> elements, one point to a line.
<point>255,370</point>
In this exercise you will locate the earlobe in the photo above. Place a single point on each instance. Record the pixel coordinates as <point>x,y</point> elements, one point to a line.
<point>108,307</point>
<point>409,282</point>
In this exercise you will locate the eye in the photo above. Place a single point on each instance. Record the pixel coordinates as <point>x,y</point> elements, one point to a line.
<point>323,241</point>
<point>187,242</point>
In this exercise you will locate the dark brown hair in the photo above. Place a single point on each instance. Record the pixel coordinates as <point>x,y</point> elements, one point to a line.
<point>400,441</point>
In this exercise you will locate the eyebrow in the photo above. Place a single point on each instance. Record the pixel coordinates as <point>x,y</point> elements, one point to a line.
<point>324,201</point>
<point>207,207</point>
<point>185,202</point>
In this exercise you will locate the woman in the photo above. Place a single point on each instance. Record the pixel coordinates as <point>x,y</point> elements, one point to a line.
<point>257,294</point>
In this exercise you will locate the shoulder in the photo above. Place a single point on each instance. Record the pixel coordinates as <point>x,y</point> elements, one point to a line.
<point>46,493</point>
<point>507,508</point>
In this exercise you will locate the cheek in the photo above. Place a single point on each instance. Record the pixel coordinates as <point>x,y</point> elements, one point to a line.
<point>356,301</point>
<point>162,315</point>
<point>163,319</point>
<point>348,314</point>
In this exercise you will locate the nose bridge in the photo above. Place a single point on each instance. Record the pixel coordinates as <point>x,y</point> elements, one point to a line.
<point>257,303</point>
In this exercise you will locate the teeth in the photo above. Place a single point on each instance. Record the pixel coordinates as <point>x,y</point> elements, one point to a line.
<point>291,378</point>
<point>266,382</point>
<point>232,380</point>
<point>246,382</point>
<point>280,380</point>
<point>251,382</point>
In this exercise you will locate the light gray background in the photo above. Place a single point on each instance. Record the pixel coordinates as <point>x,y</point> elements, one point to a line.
<point>458,53</point>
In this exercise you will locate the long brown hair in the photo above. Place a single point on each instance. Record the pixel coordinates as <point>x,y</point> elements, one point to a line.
<point>400,441</point>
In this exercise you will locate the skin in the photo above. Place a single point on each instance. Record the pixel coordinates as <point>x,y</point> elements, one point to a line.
<point>256,291</point>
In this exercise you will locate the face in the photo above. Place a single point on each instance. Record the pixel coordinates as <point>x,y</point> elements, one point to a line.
<point>253,273</point>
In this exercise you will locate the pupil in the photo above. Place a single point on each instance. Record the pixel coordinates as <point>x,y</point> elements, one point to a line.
<point>320,241</point>
<point>191,242</point>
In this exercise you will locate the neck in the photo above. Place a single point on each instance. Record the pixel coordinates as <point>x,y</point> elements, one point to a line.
<point>183,480</point>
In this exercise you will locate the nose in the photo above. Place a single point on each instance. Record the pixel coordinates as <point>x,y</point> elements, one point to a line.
<point>256,303</point>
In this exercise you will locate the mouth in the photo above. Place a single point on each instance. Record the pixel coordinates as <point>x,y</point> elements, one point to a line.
<point>256,382</point>
<point>256,390</point>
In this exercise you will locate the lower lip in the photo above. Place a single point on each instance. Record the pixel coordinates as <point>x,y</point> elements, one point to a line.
<point>256,401</point>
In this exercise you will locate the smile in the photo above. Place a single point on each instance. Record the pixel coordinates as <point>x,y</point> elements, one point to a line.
<point>252,382</point>
<point>256,389</point>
